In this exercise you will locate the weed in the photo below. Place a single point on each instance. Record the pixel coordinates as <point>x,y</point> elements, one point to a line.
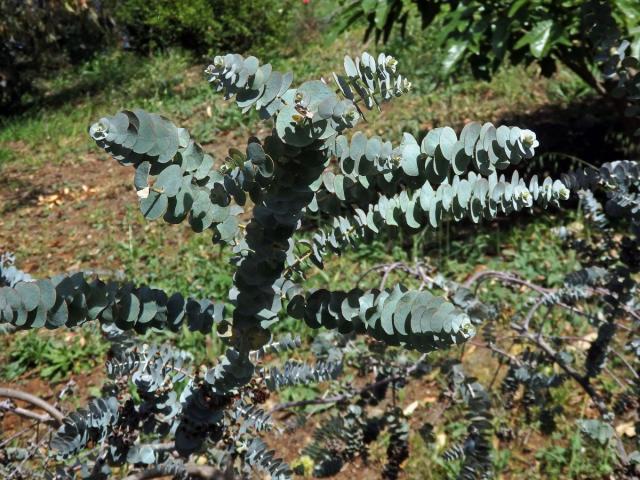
<point>53,359</point>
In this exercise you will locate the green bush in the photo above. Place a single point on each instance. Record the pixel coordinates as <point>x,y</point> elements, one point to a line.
<point>37,37</point>
<point>204,24</point>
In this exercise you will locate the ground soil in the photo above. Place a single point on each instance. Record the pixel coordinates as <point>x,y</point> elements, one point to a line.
<point>50,211</point>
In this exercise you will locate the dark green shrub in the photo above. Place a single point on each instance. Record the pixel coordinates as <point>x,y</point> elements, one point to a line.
<point>36,37</point>
<point>204,24</point>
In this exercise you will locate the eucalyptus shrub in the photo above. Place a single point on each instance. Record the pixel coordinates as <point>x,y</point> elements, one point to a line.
<point>160,413</point>
<point>306,168</point>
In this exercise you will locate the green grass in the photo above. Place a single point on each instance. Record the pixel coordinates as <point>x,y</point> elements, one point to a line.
<point>168,82</point>
<point>567,455</point>
<point>172,83</point>
<point>52,358</point>
<point>577,460</point>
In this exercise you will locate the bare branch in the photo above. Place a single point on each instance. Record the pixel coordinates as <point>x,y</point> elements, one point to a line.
<point>33,400</point>
<point>23,412</point>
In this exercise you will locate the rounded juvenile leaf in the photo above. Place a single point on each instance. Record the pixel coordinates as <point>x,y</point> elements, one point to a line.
<point>169,180</point>
<point>154,205</point>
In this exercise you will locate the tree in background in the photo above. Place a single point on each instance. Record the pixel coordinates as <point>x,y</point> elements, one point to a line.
<point>486,33</point>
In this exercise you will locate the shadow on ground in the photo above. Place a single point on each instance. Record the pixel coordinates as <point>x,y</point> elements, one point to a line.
<point>592,129</point>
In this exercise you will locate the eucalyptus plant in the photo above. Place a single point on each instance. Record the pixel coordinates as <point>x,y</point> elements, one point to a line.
<point>256,202</point>
<point>312,188</point>
<point>160,412</point>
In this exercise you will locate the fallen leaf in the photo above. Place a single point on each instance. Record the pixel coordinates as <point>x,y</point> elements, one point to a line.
<point>585,342</point>
<point>627,429</point>
<point>409,409</point>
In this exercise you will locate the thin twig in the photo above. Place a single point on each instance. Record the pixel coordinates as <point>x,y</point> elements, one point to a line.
<point>345,396</point>
<point>482,275</point>
<point>387,272</point>
<point>580,379</point>
<point>626,363</point>
<point>17,434</point>
<point>23,412</point>
<point>495,349</point>
<point>532,311</point>
<point>33,400</point>
<point>34,449</point>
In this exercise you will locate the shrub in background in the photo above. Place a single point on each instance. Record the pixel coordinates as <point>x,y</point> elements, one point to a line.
<point>37,37</point>
<point>203,25</point>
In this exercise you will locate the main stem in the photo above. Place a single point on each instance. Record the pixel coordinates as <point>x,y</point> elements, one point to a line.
<point>263,252</point>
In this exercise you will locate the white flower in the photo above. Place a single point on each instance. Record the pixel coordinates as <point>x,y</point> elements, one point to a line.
<point>218,62</point>
<point>528,138</point>
<point>563,193</point>
<point>391,63</point>
<point>297,118</point>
